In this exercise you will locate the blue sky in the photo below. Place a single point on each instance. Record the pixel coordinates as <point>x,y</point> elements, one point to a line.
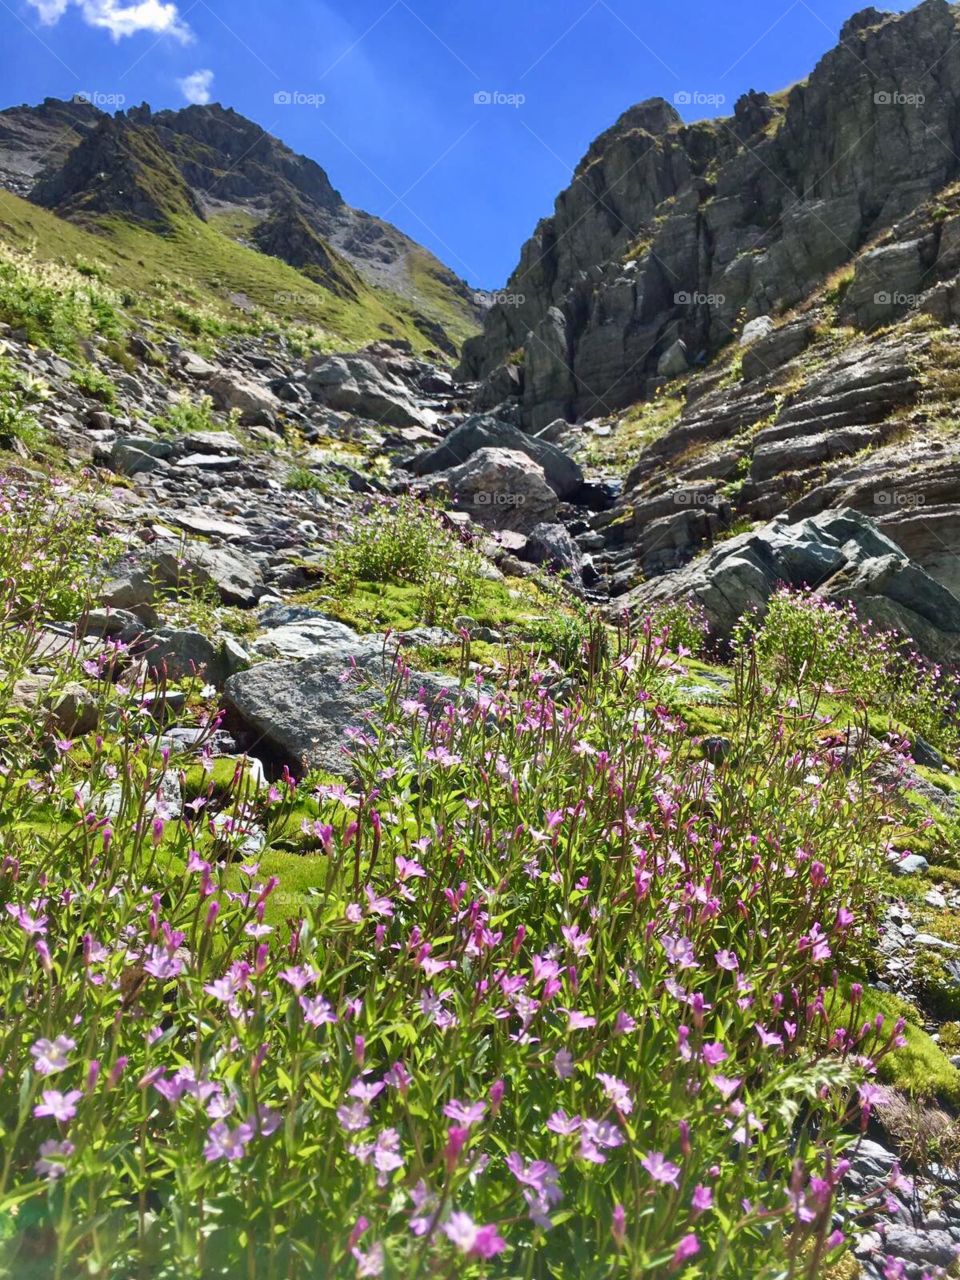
<point>399,130</point>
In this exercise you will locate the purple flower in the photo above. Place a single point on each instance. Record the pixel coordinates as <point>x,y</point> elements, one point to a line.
<point>370,1263</point>
<point>50,1056</point>
<point>702,1199</point>
<point>353,1117</point>
<point>164,963</point>
<point>680,952</point>
<point>465,1113</point>
<point>61,1106</point>
<point>727,960</point>
<point>383,1153</point>
<point>769,1039</point>
<point>563,1124</point>
<point>577,1021</point>
<point>563,1063</point>
<point>660,1168</point>
<point>688,1248</point>
<point>617,1091</point>
<point>727,1085</point>
<point>52,1160</point>
<point>540,1180</point>
<point>298,976</point>
<point>316,1010</point>
<point>597,1136</point>
<point>714,1054</point>
<point>224,1143</point>
<point>483,1242</point>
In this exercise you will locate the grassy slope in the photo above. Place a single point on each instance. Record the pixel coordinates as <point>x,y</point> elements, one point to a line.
<point>196,266</point>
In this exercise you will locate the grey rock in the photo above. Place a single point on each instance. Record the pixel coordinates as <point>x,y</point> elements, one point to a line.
<point>256,404</point>
<point>195,366</point>
<point>304,712</point>
<point>913,864</point>
<point>142,577</point>
<point>361,386</point>
<point>183,654</point>
<point>759,327</point>
<point>840,554</point>
<point>500,488</point>
<point>485,432</point>
<point>551,545</point>
<point>317,637</point>
<point>674,363</point>
<point>127,460</point>
<point>211,442</point>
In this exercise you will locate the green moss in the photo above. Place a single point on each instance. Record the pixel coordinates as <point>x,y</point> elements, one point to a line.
<point>374,606</point>
<point>920,1069</point>
<point>217,780</point>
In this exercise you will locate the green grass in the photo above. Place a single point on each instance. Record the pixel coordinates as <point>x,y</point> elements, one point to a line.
<point>197,279</point>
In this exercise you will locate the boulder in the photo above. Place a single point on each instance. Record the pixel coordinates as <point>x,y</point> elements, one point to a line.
<point>484,432</point>
<point>129,460</point>
<point>257,404</point>
<point>180,654</point>
<point>753,330</point>
<point>317,637</point>
<point>674,362</point>
<point>194,366</point>
<point>142,577</point>
<point>552,546</point>
<point>305,713</point>
<point>499,488</point>
<point>353,384</point>
<point>72,709</point>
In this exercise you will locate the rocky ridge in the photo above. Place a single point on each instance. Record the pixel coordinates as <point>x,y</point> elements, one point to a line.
<point>671,235</point>
<point>207,161</point>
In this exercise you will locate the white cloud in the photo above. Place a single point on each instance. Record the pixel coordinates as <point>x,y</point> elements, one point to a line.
<point>50,11</point>
<point>196,87</point>
<point>119,18</point>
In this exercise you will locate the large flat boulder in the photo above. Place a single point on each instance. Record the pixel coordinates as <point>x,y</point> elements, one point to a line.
<point>353,384</point>
<point>485,432</point>
<point>307,713</point>
<point>142,576</point>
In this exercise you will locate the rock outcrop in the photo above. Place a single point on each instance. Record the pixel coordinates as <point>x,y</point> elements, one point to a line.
<point>840,555</point>
<point>673,233</point>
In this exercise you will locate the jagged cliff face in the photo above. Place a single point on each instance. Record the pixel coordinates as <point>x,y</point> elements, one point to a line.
<point>674,233</point>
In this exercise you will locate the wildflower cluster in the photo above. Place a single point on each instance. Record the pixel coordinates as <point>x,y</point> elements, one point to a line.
<point>806,639</point>
<point>560,998</point>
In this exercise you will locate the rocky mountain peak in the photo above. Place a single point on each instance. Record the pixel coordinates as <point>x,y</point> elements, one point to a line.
<point>118,168</point>
<point>210,161</point>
